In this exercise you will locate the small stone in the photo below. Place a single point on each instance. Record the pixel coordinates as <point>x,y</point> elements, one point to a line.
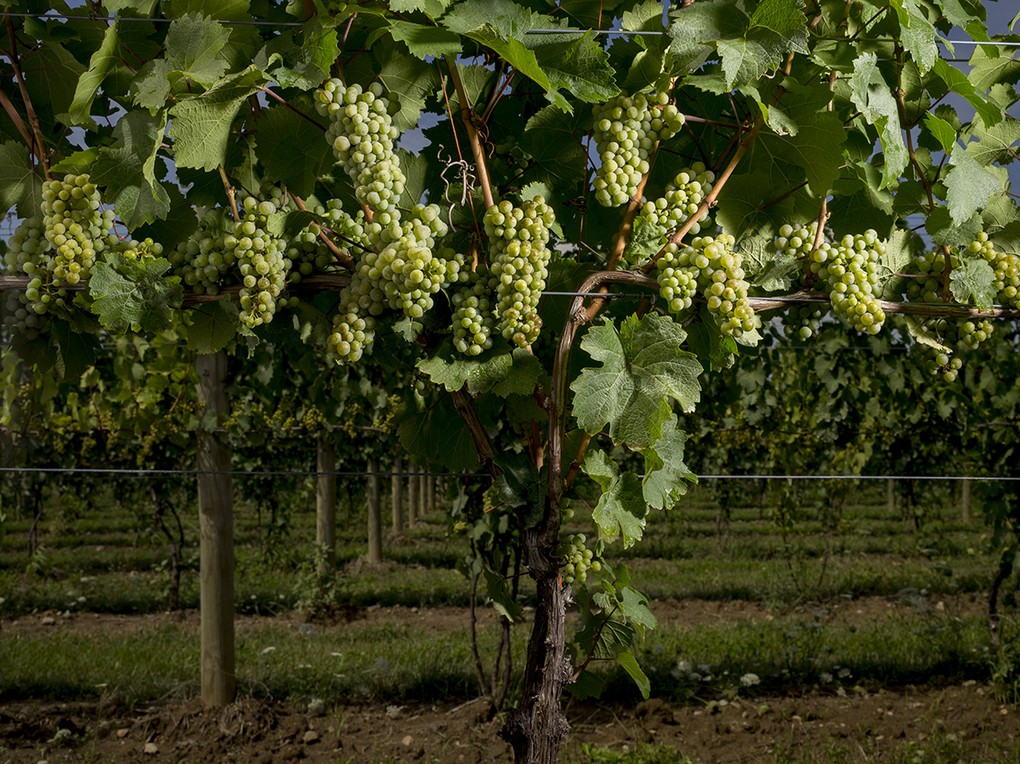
<point>407,741</point>
<point>150,749</point>
<point>48,621</point>
<point>316,707</point>
<point>310,737</point>
<point>123,732</point>
<point>940,607</point>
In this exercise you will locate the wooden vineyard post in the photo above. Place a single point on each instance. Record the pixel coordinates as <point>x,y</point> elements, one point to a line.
<point>423,496</point>
<point>216,545</point>
<point>965,499</point>
<point>374,518</point>
<point>397,497</point>
<point>412,494</point>
<point>325,506</point>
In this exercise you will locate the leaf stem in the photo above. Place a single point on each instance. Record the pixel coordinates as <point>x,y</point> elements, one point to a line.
<point>231,193</point>
<point>344,259</point>
<point>287,104</point>
<point>33,118</point>
<point>468,116</point>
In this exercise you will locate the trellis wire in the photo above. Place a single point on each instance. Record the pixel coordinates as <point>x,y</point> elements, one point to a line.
<point>139,473</point>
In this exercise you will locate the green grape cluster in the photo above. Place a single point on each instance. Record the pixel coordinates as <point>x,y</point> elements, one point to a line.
<point>659,218</point>
<point>260,257</point>
<point>362,135</point>
<point>716,268</point>
<point>519,265</point>
<point>578,559</point>
<point>352,333</point>
<point>405,275</point>
<point>75,225</point>
<point>798,242</point>
<point>1006,266</point>
<point>626,130</point>
<point>28,253</point>
<point>930,269</point>
<point>306,251</point>
<point>974,333</point>
<point>941,363</point>
<point>203,260</point>
<point>678,284</point>
<point>473,319</point>
<point>849,271</point>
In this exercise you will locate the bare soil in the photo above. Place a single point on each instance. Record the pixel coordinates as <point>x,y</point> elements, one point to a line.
<point>863,725</point>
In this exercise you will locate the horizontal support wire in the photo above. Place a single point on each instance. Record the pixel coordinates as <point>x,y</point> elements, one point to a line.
<point>538,31</point>
<point>385,473</point>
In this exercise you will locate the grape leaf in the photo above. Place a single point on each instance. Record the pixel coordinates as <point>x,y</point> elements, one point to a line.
<point>995,144</point>
<point>212,326</point>
<point>501,25</point>
<point>666,475</point>
<point>817,148</point>
<point>426,41</point>
<point>629,664</point>
<point>944,132</point>
<point>992,66</point>
<point>621,508</point>
<point>973,280</point>
<point>18,182</point>
<point>968,186</point>
<point>193,46</point>
<point>502,373</point>
<point>695,29</point>
<point>134,294</point>
<point>301,59</point>
<point>431,8</point>
<point>436,434</point>
<point>128,169</point>
<point>53,77</point>
<point>643,368</point>
<point>917,34</point>
<point>201,125</point>
<point>958,82</point>
<point>578,64</point>
<point>292,149</point>
<point>945,232</point>
<point>875,99</point>
<point>88,86</point>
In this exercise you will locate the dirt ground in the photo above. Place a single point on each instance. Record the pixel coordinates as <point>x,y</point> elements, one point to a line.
<point>251,732</point>
<point>854,726</point>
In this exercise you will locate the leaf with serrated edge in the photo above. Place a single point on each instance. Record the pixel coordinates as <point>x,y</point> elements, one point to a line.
<point>88,86</point>
<point>212,326</point>
<point>968,186</point>
<point>973,280</point>
<point>643,368</point>
<point>201,126</point>
<point>666,475</point>
<point>621,509</point>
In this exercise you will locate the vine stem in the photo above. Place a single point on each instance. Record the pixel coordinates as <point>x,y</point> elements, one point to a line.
<point>468,116</point>
<point>19,123</point>
<point>231,193</point>
<point>288,105</point>
<point>709,200</point>
<point>33,118</point>
<point>344,259</point>
<point>633,206</point>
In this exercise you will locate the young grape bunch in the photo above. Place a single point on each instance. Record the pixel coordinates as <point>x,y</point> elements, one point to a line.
<point>798,242</point>
<point>716,269</point>
<point>659,218</point>
<point>473,319</point>
<point>1005,265</point>
<point>578,559</point>
<point>203,260</point>
<point>361,133</point>
<point>849,271</point>
<point>28,253</point>
<point>519,265</point>
<point>626,130</point>
<point>261,261</point>
<point>75,225</point>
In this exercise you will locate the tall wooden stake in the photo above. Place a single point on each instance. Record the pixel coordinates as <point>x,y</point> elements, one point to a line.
<point>325,506</point>
<point>397,497</point>
<point>374,518</point>
<point>216,545</point>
